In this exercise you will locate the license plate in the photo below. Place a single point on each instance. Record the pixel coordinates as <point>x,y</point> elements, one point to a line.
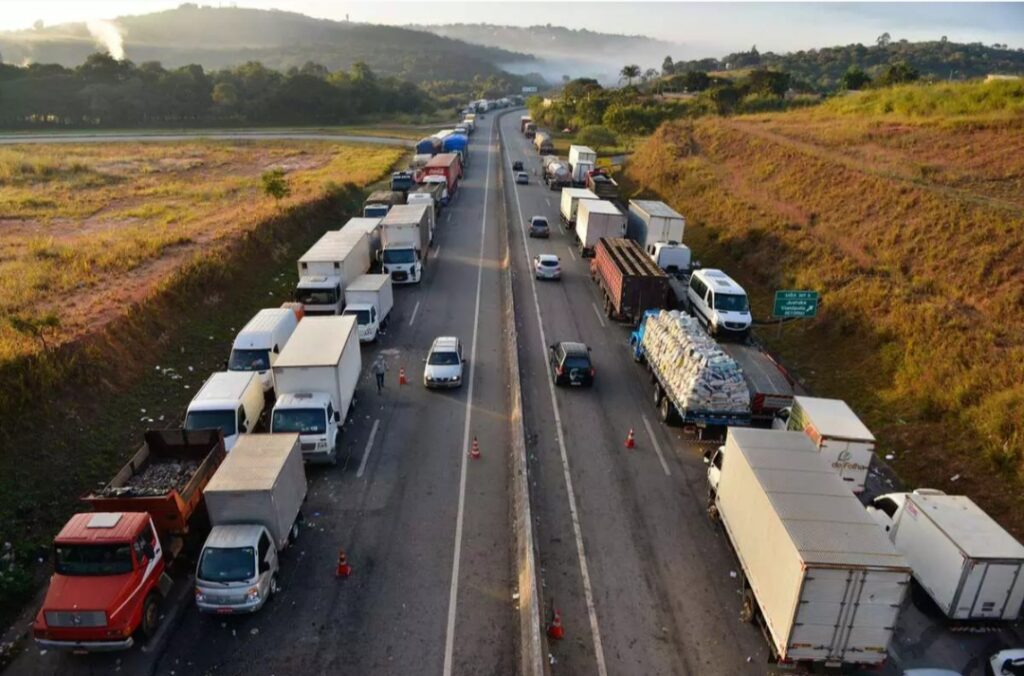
<point>575,383</point>
<point>224,611</point>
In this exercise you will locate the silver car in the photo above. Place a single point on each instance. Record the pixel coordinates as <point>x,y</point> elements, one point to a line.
<point>547,266</point>
<point>444,363</point>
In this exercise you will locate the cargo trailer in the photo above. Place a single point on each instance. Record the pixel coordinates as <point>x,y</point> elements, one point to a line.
<point>653,221</point>
<point>596,219</point>
<point>630,281</point>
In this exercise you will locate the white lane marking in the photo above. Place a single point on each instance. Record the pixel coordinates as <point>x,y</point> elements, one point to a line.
<point>571,252</point>
<point>588,592</point>
<point>598,313</point>
<point>448,218</point>
<point>548,200</point>
<point>657,446</point>
<point>560,227</point>
<point>453,594</point>
<point>414,311</point>
<point>369,447</point>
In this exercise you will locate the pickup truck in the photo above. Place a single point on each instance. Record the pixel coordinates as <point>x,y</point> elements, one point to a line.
<point>110,565</point>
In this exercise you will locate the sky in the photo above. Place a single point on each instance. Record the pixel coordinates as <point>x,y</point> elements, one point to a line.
<point>703,29</point>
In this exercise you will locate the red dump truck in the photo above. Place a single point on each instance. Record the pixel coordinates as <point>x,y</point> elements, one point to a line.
<point>629,279</point>
<point>447,165</point>
<point>110,565</point>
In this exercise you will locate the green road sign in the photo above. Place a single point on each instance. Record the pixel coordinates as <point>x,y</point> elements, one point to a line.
<point>795,304</point>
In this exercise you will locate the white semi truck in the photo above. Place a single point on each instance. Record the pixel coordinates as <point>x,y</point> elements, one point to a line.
<point>582,161</point>
<point>596,219</point>
<point>569,204</point>
<point>316,376</point>
<point>406,234</point>
<point>818,574</point>
<point>335,260</point>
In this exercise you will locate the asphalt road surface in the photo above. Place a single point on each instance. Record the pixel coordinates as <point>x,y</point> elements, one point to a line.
<point>426,528</point>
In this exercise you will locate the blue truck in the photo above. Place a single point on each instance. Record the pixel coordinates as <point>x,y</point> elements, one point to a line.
<point>428,146</point>
<point>671,408</point>
<point>402,181</point>
<point>456,143</point>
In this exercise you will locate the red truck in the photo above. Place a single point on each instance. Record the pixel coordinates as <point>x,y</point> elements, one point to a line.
<point>447,165</point>
<point>110,565</point>
<point>629,279</point>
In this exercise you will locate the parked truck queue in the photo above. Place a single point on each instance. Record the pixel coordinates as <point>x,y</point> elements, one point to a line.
<point>798,544</point>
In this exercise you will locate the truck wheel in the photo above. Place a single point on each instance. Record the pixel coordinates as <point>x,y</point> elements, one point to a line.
<point>667,414</point>
<point>274,588</point>
<point>658,394</point>
<point>293,534</point>
<point>150,616</point>
<point>748,611</point>
<point>713,510</point>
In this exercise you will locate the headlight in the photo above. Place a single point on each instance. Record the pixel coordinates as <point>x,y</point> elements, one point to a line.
<point>200,596</point>
<point>253,594</point>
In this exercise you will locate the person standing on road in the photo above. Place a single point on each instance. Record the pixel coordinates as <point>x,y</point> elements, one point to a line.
<point>379,368</point>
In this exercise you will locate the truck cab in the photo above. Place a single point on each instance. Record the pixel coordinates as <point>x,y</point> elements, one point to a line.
<point>238,570</point>
<point>368,319</point>
<point>314,417</point>
<point>441,180</point>
<point>320,294</point>
<point>403,263</point>
<point>107,583</point>
<point>674,258</point>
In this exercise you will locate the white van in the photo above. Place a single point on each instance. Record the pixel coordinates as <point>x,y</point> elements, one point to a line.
<point>230,400</point>
<point>260,341</point>
<point>719,303</point>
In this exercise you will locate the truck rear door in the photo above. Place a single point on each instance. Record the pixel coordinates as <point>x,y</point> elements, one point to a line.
<point>846,615</point>
<point>987,588</point>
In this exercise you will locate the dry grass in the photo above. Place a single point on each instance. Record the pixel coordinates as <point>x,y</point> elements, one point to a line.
<point>88,229</point>
<point>914,234</point>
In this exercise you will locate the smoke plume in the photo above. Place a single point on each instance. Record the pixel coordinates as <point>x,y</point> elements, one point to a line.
<point>108,35</point>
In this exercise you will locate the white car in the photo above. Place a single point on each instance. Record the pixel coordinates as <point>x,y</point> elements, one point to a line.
<point>444,363</point>
<point>1006,663</point>
<point>547,266</point>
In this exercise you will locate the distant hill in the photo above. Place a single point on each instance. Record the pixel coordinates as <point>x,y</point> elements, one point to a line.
<point>563,51</point>
<point>822,69</point>
<point>218,37</point>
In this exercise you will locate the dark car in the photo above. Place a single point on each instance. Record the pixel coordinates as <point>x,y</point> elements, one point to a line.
<point>539,227</point>
<point>570,364</point>
<point>517,165</point>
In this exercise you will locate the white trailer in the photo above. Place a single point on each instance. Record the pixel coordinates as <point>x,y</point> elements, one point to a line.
<point>841,438</point>
<point>820,577</point>
<point>965,561</point>
<point>406,234</point>
<point>336,259</point>
<point>653,221</point>
<point>596,219</point>
<point>581,161</point>
<point>316,376</point>
<point>369,299</point>
<point>369,227</point>
<point>569,205</point>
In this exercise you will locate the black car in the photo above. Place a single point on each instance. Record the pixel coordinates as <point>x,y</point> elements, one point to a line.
<point>570,364</point>
<point>517,165</point>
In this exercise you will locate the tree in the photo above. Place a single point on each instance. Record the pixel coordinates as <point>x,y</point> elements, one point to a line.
<point>36,326</point>
<point>855,79</point>
<point>667,67</point>
<point>900,72</point>
<point>629,72</point>
<point>725,98</point>
<point>771,82</point>
<point>596,137</point>
<point>275,185</point>
<point>883,40</point>
<point>650,74</point>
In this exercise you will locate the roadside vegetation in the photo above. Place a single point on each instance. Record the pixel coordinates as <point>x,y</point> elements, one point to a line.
<point>904,208</point>
<point>121,294</point>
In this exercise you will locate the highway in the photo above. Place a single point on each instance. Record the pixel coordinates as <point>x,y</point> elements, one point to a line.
<point>640,575</point>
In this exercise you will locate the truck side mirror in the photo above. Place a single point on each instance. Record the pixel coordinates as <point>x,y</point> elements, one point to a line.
<point>264,567</point>
<point>707,456</point>
<point>243,428</point>
<point>147,550</point>
<point>337,416</point>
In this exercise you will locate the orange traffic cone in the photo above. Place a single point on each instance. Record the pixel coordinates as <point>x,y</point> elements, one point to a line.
<point>555,630</point>
<point>401,376</point>
<point>474,452</point>
<point>343,570</point>
<point>630,443</point>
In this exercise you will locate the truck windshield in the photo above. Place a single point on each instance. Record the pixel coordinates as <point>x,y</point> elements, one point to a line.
<point>301,420</point>
<point>730,302</point>
<point>208,420</point>
<point>227,565</point>
<point>399,256</point>
<point>110,559</point>
<point>249,360</point>
<point>317,296</point>
<point>376,211</point>
<point>362,316</point>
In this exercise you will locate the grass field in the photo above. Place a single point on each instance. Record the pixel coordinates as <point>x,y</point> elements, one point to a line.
<point>912,228</point>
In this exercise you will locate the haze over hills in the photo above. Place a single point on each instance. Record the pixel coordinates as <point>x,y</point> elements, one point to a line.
<point>562,51</point>
<point>218,37</point>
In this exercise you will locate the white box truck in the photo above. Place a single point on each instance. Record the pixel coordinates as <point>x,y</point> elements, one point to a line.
<point>653,221</point>
<point>581,161</point>
<point>231,401</point>
<point>965,561</point>
<point>369,227</point>
<point>841,438</point>
<point>569,204</point>
<point>336,259</point>
<point>819,576</point>
<point>596,219</point>
<point>406,234</point>
<point>254,502</point>
<point>260,341</point>
<point>369,299</point>
<point>316,376</point>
